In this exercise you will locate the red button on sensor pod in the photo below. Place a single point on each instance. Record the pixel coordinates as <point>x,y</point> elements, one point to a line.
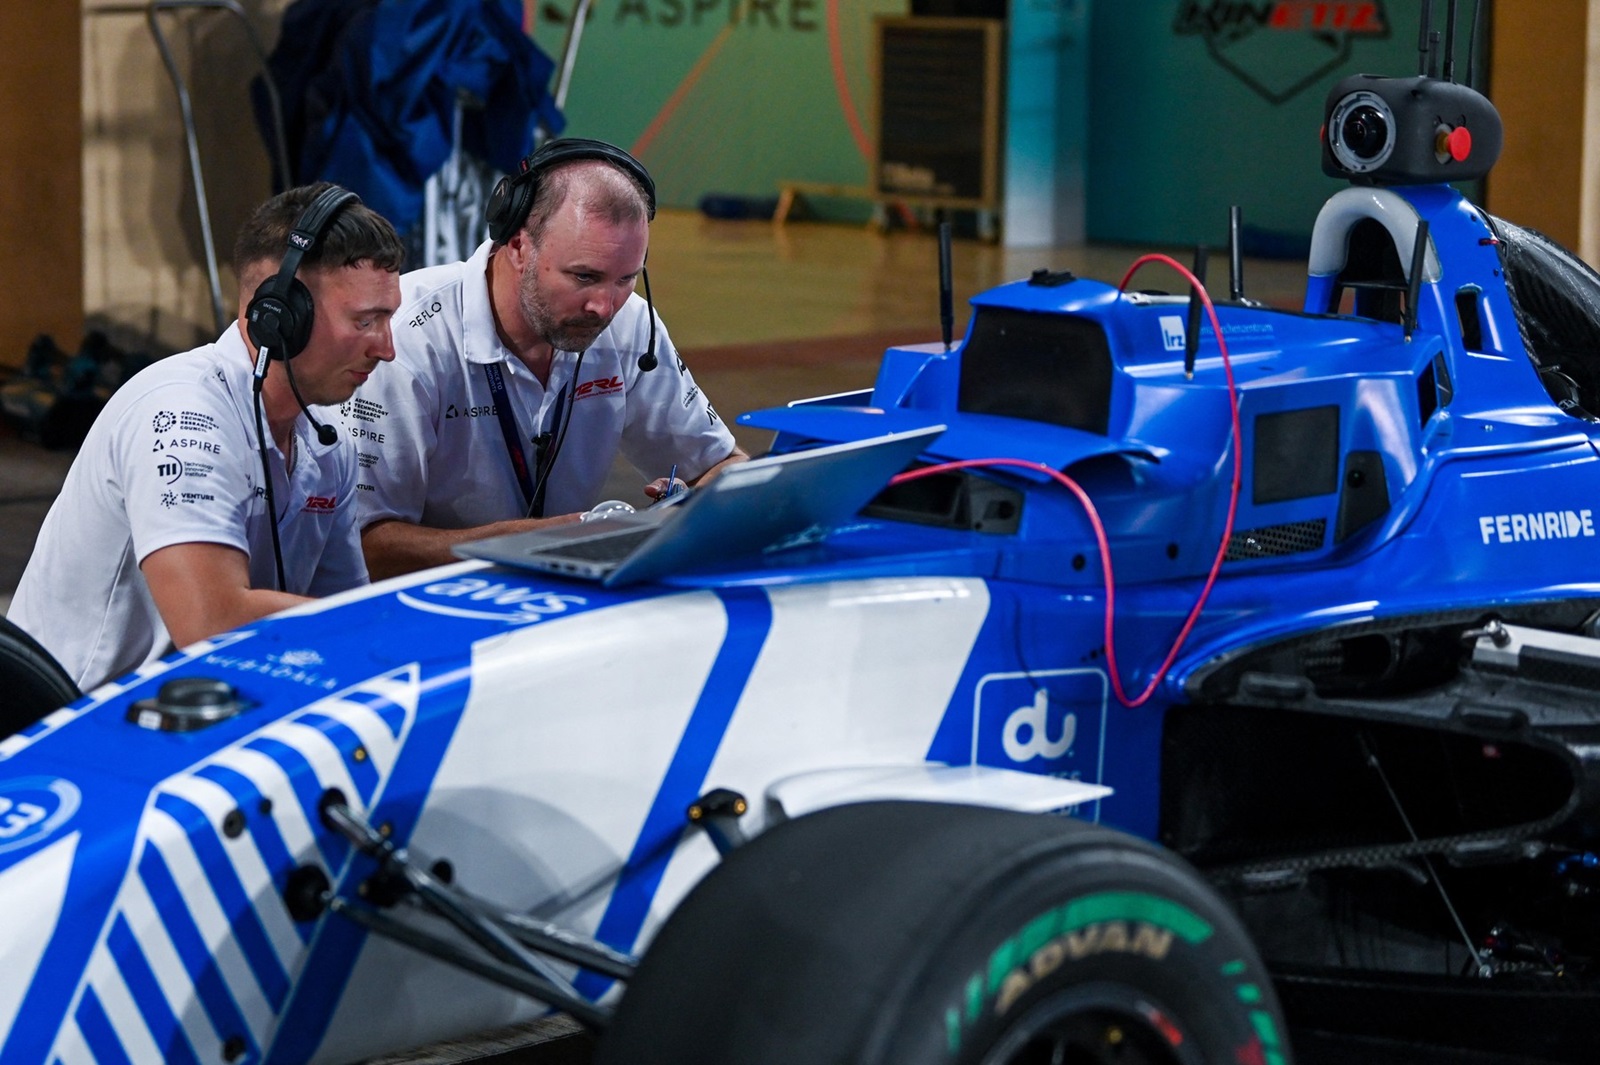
<point>1459,143</point>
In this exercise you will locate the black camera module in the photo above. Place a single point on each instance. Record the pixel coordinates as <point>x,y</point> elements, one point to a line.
<point>1361,132</point>
<point>1365,132</point>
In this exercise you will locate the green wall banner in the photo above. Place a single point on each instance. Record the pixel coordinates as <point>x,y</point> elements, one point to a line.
<point>1200,104</point>
<point>728,96</point>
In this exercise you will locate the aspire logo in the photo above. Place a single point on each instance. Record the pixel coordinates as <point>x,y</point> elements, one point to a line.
<point>1279,47</point>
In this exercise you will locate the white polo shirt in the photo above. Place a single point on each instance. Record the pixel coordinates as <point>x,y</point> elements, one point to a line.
<point>172,459</point>
<point>430,443</point>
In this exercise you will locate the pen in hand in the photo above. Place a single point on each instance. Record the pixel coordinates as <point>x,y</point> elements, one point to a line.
<point>672,481</point>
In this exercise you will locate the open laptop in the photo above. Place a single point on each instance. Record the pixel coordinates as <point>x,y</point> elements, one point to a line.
<point>747,508</point>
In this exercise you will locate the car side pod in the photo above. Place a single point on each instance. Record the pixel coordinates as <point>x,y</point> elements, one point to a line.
<point>881,932</point>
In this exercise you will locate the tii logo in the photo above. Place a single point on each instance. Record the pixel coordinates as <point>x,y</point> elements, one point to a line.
<point>169,470</point>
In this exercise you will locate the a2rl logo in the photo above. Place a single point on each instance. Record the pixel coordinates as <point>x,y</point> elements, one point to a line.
<point>321,504</point>
<point>600,386</point>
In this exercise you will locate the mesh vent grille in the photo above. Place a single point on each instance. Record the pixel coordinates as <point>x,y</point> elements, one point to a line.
<point>1272,541</point>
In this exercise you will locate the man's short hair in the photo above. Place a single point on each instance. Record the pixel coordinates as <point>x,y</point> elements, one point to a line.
<point>357,234</point>
<point>605,188</point>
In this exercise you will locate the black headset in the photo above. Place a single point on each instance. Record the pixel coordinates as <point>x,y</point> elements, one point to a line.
<point>512,197</point>
<point>280,314</point>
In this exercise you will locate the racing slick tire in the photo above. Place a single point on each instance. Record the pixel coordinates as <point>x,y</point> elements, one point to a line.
<point>913,933</point>
<point>32,683</point>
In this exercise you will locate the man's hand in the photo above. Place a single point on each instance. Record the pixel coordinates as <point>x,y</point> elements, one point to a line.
<point>202,589</point>
<point>394,547</point>
<point>657,489</point>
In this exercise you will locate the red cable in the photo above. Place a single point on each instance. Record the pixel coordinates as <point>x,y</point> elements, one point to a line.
<point>1094,515</point>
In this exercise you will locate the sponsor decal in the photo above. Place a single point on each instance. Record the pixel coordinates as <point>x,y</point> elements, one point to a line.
<point>169,470</point>
<point>296,667</point>
<point>1277,48</point>
<point>366,459</point>
<point>32,808</point>
<point>365,488</point>
<point>600,386</point>
<point>196,497</point>
<point>307,657</point>
<point>483,410</point>
<point>362,410</point>
<point>169,499</point>
<point>485,600</point>
<point>196,422</point>
<point>163,421</point>
<point>1045,721</point>
<point>799,15</point>
<point>322,504</point>
<point>1543,525</point>
<point>711,415</point>
<point>363,433</point>
<point>426,312</point>
<point>189,443</point>
<point>1173,332</point>
<point>688,397</point>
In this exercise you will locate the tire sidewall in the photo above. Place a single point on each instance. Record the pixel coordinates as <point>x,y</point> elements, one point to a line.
<point>1109,923</point>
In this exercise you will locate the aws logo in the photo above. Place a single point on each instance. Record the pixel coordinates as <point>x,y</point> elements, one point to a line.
<point>482,600</point>
<point>1279,47</point>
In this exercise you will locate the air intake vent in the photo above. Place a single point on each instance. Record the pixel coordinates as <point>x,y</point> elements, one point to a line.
<point>1273,541</point>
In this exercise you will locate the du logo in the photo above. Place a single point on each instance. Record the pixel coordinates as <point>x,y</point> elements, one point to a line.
<point>1046,721</point>
<point>1027,731</point>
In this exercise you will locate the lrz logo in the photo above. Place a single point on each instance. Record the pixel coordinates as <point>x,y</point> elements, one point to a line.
<point>1172,332</point>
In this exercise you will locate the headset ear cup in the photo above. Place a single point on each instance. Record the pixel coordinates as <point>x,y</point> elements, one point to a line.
<point>280,323</point>
<point>298,321</point>
<point>508,207</point>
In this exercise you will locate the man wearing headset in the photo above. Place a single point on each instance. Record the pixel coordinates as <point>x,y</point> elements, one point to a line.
<point>520,373</point>
<point>162,534</point>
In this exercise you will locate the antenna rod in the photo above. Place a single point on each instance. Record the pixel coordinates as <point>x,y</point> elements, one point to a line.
<point>1191,336</point>
<point>1472,40</point>
<point>1424,35</point>
<point>947,317</point>
<point>1235,255</point>
<point>1450,41</point>
<point>1419,258</point>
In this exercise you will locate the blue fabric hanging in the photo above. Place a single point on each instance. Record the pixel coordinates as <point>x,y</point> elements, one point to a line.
<point>369,88</point>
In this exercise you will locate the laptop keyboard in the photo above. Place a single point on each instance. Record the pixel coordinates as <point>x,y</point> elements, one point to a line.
<point>603,548</point>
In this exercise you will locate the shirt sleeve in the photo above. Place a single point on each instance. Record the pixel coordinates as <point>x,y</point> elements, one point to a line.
<point>393,421</point>
<point>185,470</point>
<point>668,415</point>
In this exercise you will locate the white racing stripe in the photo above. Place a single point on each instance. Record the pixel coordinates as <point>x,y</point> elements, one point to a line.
<point>852,673</point>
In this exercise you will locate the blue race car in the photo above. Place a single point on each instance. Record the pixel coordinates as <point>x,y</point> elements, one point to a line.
<point>1293,613</point>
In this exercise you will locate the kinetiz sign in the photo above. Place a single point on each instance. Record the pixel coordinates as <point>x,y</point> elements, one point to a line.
<point>1279,47</point>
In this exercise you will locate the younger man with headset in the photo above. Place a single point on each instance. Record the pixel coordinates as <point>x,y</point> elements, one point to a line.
<point>520,373</point>
<point>164,532</point>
